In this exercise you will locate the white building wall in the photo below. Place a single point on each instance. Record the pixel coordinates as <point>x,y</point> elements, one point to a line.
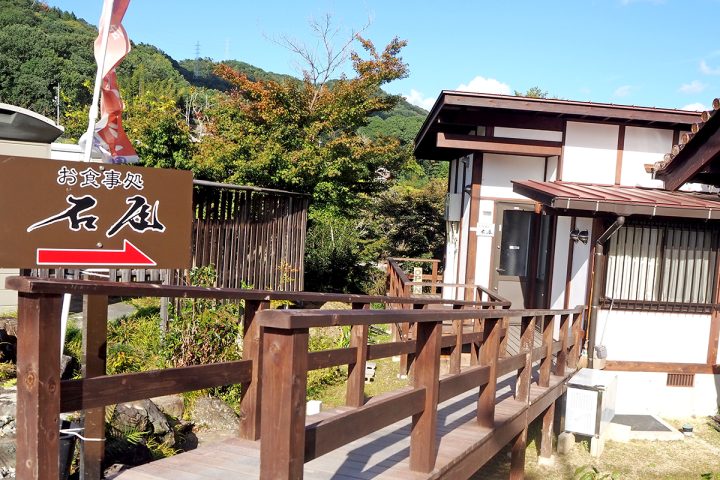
<point>590,152</point>
<point>642,146</point>
<point>580,264</point>
<point>483,262</point>
<point>499,170</point>
<point>644,392</point>
<point>653,336</point>
<point>559,271</point>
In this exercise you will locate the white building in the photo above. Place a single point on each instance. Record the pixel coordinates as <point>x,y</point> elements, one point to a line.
<point>533,185</point>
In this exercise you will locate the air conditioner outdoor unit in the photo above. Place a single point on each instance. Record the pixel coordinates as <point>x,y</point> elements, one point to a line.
<point>590,405</point>
<point>453,204</point>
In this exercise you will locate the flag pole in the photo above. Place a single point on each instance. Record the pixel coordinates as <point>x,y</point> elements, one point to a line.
<point>92,117</point>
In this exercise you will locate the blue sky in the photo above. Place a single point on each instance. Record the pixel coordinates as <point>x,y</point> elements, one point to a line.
<point>663,53</point>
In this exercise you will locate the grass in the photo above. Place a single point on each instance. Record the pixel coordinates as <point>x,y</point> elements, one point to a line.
<point>690,458</point>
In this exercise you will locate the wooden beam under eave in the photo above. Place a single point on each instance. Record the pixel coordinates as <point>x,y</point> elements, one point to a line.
<point>482,144</point>
<point>691,161</point>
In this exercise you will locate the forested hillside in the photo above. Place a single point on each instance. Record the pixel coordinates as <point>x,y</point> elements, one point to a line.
<point>342,140</point>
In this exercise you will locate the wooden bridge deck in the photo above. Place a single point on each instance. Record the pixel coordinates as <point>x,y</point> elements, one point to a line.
<point>464,446</point>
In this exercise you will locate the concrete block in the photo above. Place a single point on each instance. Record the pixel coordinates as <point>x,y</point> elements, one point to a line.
<point>566,443</point>
<point>618,432</point>
<point>597,445</point>
<point>546,461</point>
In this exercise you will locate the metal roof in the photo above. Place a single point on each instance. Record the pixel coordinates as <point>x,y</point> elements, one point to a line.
<point>18,123</point>
<point>621,200</point>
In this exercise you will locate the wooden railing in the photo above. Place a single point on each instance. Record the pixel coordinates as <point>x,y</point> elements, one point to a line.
<point>42,396</point>
<point>287,443</point>
<point>400,283</point>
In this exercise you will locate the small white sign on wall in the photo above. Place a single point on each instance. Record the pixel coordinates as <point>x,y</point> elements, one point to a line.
<point>486,230</point>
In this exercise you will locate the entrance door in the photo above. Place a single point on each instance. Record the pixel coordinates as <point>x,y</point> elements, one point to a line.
<point>520,255</point>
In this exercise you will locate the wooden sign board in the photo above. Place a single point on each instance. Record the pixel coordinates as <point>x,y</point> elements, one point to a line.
<point>75,214</point>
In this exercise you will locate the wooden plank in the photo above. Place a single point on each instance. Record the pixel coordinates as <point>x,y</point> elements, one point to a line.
<point>327,435</point>
<point>663,367</point>
<point>389,349</point>
<point>454,385</point>
<point>548,323</point>
<point>527,341</point>
<point>107,390</point>
<point>282,415</point>
<point>94,340</point>
<point>489,357</point>
<point>251,392</point>
<point>561,361</point>
<point>546,435</point>
<point>538,148</point>
<point>517,456</point>
<point>355,388</point>
<point>331,358</point>
<point>457,346</point>
<point>38,392</point>
<point>423,445</point>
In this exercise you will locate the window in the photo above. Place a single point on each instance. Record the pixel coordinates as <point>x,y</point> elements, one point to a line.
<point>662,266</point>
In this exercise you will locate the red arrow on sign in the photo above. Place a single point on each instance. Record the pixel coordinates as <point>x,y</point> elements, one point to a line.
<point>129,255</point>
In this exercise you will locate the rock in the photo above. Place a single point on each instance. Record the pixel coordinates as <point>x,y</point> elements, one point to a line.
<point>8,401</point>
<point>113,470</point>
<point>214,414</point>
<point>171,405</point>
<point>143,416</point>
<point>566,443</point>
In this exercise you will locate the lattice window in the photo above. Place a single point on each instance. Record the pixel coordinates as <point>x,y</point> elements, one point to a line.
<point>665,266</point>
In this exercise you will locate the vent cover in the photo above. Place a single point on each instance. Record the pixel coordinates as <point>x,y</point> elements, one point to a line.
<point>680,379</point>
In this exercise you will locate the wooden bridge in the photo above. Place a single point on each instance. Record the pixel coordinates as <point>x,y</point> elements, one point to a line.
<point>443,426</point>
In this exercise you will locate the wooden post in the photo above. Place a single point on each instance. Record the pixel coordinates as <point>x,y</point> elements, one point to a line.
<point>546,436</point>
<point>564,339</point>
<point>434,274</point>
<point>504,341</point>
<point>423,445</point>
<point>355,391</point>
<point>475,345</point>
<point>455,355</point>
<point>577,335</point>
<point>546,363</point>
<point>38,386</point>
<point>527,342</point>
<point>252,392</point>
<point>282,425</point>
<point>94,340</point>
<point>517,455</point>
<point>489,357</point>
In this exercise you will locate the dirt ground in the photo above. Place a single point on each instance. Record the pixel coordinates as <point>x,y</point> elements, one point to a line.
<point>690,458</point>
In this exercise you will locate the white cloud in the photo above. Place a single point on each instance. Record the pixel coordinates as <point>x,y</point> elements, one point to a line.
<point>695,107</point>
<point>693,87</point>
<point>485,85</point>
<point>418,99</point>
<point>707,69</point>
<point>623,91</point>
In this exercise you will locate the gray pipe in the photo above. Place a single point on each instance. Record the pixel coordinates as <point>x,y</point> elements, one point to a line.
<point>598,275</point>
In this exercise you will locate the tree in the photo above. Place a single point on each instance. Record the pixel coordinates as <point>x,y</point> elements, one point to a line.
<point>303,135</point>
<point>533,92</point>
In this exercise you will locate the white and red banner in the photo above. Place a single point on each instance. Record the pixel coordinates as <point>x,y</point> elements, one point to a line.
<point>109,136</point>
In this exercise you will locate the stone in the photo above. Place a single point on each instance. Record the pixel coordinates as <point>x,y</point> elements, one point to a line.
<point>8,401</point>
<point>597,445</point>
<point>143,416</point>
<point>565,443</point>
<point>214,414</point>
<point>171,405</point>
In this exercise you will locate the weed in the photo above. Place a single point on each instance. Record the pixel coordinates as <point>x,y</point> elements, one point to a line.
<point>588,472</point>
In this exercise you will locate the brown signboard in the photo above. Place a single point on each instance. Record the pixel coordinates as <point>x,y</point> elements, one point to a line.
<point>75,214</point>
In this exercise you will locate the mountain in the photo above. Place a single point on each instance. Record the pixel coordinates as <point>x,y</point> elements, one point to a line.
<point>42,48</point>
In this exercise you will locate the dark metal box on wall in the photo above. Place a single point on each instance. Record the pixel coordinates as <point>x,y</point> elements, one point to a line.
<point>62,214</point>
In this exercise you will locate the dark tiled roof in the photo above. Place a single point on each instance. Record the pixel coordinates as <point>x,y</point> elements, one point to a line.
<point>688,138</point>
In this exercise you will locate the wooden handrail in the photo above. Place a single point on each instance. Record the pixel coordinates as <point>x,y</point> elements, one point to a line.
<point>275,364</point>
<point>120,289</point>
<point>293,319</point>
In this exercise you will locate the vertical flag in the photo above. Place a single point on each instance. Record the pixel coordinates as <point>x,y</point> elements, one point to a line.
<point>109,135</point>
